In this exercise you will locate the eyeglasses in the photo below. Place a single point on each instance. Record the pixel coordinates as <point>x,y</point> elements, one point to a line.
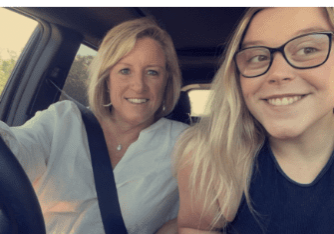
<point>302,52</point>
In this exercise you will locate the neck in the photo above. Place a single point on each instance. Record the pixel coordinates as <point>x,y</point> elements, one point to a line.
<point>314,144</point>
<point>121,132</point>
<point>119,135</point>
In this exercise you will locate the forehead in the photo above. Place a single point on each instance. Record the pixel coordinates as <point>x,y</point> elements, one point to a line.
<point>145,50</point>
<point>274,26</point>
<point>148,45</point>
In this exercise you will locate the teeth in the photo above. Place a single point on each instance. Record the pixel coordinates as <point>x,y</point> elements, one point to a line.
<point>137,101</point>
<point>284,101</point>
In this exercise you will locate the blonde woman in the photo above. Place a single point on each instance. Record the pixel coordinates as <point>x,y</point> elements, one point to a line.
<point>262,160</point>
<point>134,81</point>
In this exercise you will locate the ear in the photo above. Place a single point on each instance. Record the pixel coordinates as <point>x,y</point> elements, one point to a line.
<point>107,84</point>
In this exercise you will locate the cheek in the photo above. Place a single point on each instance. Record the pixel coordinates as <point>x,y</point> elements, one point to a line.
<point>327,75</point>
<point>323,81</point>
<point>251,91</point>
<point>244,88</point>
<point>249,88</point>
<point>331,83</point>
<point>158,88</point>
<point>115,90</point>
<point>331,90</point>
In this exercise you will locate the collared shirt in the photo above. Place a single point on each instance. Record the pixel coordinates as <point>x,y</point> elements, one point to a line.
<point>53,149</point>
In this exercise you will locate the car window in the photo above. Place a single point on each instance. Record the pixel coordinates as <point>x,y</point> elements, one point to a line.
<point>76,81</point>
<point>15,31</point>
<point>198,97</point>
<point>198,101</point>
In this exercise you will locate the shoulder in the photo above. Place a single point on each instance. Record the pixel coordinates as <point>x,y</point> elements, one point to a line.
<point>57,115</point>
<point>166,127</point>
<point>175,126</point>
<point>60,111</point>
<point>64,108</point>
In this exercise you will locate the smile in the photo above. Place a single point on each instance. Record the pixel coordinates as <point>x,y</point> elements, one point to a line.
<point>137,100</point>
<point>284,101</point>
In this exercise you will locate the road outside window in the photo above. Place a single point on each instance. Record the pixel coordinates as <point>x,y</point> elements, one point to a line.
<point>15,31</point>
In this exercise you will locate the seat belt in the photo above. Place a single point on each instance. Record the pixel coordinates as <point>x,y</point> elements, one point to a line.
<point>103,173</point>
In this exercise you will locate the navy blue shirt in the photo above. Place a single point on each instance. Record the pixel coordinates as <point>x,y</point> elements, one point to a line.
<point>283,205</point>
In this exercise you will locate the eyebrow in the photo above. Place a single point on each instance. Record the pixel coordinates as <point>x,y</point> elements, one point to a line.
<point>126,64</point>
<point>311,30</point>
<point>298,33</point>
<point>151,65</point>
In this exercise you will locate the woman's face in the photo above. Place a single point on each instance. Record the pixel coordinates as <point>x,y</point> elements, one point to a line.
<point>307,94</point>
<point>137,83</point>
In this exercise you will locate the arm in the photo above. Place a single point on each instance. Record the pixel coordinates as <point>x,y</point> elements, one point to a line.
<point>31,143</point>
<point>168,228</point>
<point>195,231</point>
<point>171,228</point>
<point>29,153</point>
<point>190,218</point>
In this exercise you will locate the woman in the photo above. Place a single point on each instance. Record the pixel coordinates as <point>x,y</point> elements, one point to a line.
<point>135,81</point>
<point>262,161</point>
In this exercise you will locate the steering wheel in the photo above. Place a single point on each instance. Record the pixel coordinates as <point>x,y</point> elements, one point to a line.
<point>20,211</point>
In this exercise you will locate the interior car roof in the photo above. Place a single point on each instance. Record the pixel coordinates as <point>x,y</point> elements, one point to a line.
<point>199,33</point>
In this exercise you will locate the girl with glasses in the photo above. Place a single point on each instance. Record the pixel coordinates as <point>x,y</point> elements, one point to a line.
<point>262,160</point>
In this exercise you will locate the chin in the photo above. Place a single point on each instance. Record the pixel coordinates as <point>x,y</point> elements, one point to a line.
<point>137,120</point>
<point>283,132</point>
<point>283,135</point>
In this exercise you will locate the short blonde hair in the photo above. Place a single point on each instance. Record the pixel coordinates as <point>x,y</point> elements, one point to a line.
<point>119,41</point>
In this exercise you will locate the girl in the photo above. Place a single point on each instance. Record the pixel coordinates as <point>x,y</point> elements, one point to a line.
<point>262,160</point>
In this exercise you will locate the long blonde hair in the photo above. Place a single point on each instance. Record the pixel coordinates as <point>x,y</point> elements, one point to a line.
<point>119,41</point>
<point>222,147</point>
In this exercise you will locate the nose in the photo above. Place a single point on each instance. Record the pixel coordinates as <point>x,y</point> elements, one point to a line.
<point>139,83</point>
<point>280,70</point>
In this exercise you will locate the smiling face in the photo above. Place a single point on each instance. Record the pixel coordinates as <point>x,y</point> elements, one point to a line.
<point>137,83</point>
<point>289,102</point>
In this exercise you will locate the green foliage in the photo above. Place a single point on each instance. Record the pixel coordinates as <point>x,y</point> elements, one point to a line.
<point>76,82</point>
<point>6,68</point>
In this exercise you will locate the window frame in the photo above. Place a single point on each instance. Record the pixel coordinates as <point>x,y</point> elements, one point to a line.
<point>48,55</point>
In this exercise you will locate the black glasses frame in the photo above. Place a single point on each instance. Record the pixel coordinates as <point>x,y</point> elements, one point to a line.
<point>281,50</point>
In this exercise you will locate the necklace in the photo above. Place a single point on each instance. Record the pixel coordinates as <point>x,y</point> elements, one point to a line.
<point>119,147</point>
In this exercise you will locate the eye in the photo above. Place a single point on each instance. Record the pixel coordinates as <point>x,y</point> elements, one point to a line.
<point>307,50</point>
<point>258,58</point>
<point>152,73</point>
<point>125,71</point>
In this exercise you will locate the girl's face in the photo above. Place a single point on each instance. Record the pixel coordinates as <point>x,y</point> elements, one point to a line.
<point>287,101</point>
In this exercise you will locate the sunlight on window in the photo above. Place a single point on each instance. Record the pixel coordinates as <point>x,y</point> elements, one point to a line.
<point>85,50</point>
<point>198,101</point>
<point>15,32</point>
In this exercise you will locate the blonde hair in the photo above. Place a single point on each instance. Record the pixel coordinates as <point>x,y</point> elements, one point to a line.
<point>222,147</point>
<point>119,41</point>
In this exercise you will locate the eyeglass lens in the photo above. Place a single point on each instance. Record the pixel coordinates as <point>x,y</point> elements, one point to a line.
<point>303,52</point>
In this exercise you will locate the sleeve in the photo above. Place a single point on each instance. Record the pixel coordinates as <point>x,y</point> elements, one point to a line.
<point>31,142</point>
